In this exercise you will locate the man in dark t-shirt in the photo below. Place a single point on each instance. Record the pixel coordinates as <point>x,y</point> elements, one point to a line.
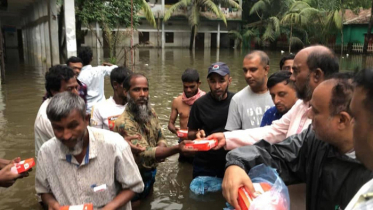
<point>209,115</point>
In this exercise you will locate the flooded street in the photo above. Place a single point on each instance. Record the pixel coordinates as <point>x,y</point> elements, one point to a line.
<point>21,97</point>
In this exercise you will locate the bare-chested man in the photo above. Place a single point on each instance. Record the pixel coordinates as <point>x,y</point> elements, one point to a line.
<point>181,105</point>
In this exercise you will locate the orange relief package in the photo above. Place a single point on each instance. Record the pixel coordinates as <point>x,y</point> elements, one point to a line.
<point>78,207</point>
<point>245,198</point>
<point>202,145</point>
<point>24,165</point>
<point>182,133</point>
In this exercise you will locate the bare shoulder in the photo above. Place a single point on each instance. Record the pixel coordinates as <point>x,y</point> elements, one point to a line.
<point>177,101</point>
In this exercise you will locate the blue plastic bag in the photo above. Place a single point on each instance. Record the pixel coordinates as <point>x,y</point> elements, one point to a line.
<point>203,184</point>
<point>277,197</point>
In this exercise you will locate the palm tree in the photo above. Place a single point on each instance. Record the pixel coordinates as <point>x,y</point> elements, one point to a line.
<point>269,13</point>
<point>148,13</point>
<point>193,12</point>
<point>299,14</point>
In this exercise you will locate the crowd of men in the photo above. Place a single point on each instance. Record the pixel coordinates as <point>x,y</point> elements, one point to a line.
<point>307,120</point>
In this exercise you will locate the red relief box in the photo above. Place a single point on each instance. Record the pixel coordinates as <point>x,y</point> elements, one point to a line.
<point>24,165</point>
<point>88,206</point>
<point>182,133</point>
<point>245,198</point>
<point>202,145</point>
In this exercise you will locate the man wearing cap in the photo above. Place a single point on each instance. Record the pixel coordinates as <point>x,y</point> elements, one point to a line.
<point>209,115</point>
<point>248,106</point>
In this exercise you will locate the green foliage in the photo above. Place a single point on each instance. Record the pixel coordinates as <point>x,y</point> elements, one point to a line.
<point>114,13</point>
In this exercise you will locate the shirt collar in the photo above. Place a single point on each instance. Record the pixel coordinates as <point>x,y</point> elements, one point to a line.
<point>86,67</point>
<point>91,150</point>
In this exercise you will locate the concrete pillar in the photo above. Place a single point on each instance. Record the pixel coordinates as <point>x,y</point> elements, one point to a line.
<point>24,40</point>
<point>46,34</point>
<point>41,28</point>
<point>53,32</point>
<point>163,33</point>
<point>218,37</point>
<point>37,50</point>
<point>98,46</point>
<point>31,37</point>
<point>69,8</point>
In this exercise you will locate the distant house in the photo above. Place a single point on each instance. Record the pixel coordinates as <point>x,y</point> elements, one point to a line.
<point>355,27</point>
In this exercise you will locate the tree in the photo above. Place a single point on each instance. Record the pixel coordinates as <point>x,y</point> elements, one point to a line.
<point>366,40</point>
<point>299,14</point>
<point>111,15</point>
<point>269,12</point>
<point>193,11</point>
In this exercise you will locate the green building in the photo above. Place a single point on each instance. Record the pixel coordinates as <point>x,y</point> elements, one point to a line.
<point>355,27</point>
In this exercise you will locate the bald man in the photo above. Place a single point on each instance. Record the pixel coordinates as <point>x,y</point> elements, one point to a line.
<point>322,156</point>
<point>311,66</point>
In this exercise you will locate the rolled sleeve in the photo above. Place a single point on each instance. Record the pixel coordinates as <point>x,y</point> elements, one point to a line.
<point>127,172</point>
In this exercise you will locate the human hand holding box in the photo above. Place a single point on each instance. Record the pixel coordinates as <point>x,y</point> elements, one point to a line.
<point>23,166</point>
<point>201,144</point>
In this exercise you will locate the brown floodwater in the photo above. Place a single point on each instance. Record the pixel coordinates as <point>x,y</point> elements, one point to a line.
<point>21,95</point>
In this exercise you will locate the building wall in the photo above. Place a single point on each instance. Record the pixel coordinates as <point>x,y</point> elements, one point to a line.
<point>353,34</point>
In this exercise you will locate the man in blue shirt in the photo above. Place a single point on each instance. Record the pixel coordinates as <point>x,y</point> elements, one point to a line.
<point>283,95</point>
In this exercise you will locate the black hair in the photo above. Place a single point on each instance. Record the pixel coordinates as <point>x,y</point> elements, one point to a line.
<point>364,79</point>
<point>73,59</point>
<point>119,74</point>
<point>278,77</point>
<point>341,96</point>
<point>55,75</point>
<point>325,60</point>
<point>127,81</point>
<point>285,58</point>
<point>190,75</point>
<point>85,53</point>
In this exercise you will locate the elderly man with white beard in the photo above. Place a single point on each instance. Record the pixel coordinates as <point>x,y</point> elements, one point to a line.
<point>82,165</point>
<point>140,119</point>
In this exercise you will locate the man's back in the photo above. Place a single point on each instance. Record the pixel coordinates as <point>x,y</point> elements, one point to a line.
<point>42,127</point>
<point>247,108</point>
<point>108,162</point>
<point>210,115</point>
<point>94,77</point>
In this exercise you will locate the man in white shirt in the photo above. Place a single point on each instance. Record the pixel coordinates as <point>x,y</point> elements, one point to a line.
<point>93,77</point>
<point>83,165</point>
<point>248,105</point>
<point>361,109</point>
<point>58,79</point>
<point>106,112</point>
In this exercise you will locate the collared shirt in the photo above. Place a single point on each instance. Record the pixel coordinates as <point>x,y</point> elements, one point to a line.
<point>293,122</point>
<point>42,128</point>
<point>108,164</point>
<point>82,92</point>
<point>105,113</point>
<point>270,115</point>
<point>151,136</point>
<point>94,77</point>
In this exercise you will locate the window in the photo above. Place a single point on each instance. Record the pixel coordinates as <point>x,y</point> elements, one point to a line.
<point>144,37</point>
<point>169,37</point>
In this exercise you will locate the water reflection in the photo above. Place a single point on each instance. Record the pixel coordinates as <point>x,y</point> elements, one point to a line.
<point>20,99</point>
